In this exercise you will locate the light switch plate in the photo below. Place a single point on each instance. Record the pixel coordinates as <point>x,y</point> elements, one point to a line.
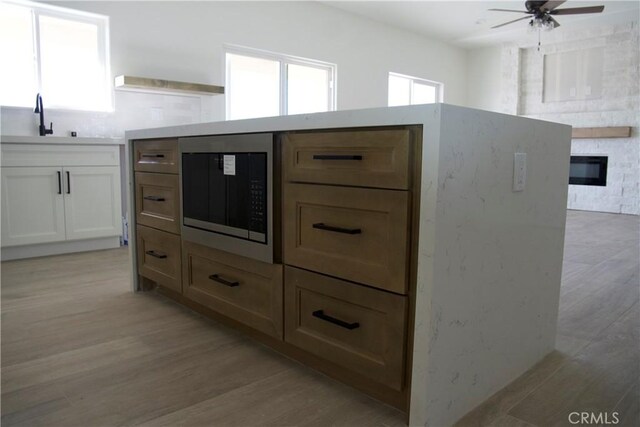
<point>519,171</point>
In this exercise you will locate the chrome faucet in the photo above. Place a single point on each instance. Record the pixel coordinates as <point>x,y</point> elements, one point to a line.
<point>40,109</point>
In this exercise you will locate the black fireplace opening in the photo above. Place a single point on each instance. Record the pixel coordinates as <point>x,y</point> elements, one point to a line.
<point>588,170</point>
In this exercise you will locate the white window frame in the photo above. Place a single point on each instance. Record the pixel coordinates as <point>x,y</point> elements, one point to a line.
<point>437,85</point>
<point>102,23</point>
<point>283,60</point>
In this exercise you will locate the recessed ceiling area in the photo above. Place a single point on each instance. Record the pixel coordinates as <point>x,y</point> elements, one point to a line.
<point>468,23</point>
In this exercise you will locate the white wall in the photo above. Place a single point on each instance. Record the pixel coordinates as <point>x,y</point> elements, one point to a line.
<point>484,78</point>
<point>184,41</point>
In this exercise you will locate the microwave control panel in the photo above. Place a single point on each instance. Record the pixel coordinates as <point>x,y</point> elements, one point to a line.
<point>258,206</point>
<point>258,197</point>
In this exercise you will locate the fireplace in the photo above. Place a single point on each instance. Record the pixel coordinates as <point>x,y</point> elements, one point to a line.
<point>588,170</point>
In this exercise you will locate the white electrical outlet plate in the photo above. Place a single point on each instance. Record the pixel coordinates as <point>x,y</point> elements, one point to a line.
<point>519,171</point>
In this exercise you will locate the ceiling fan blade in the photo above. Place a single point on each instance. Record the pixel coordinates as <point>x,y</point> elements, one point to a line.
<point>578,10</point>
<point>550,5</point>
<point>556,24</point>
<point>510,22</point>
<point>508,10</point>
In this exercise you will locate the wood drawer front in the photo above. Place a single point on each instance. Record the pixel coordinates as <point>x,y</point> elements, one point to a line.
<point>320,310</point>
<point>157,155</point>
<point>243,289</point>
<point>376,255</point>
<point>376,158</point>
<point>159,257</point>
<point>158,201</point>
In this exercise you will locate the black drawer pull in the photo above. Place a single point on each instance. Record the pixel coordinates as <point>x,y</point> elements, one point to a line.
<point>320,315</point>
<point>156,254</point>
<point>156,156</point>
<point>322,226</point>
<point>59,182</point>
<point>154,198</point>
<point>217,278</point>
<point>337,157</point>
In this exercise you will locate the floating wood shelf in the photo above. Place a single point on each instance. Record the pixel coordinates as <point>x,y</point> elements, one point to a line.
<point>158,85</point>
<point>605,132</point>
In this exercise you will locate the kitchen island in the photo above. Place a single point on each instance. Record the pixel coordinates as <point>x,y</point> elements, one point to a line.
<point>445,290</point>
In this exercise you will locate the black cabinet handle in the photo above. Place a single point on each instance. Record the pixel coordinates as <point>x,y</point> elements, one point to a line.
<point>68,183</point>
<point>217,278</point>
<point>156,254</point>
<point>322,226</point>
<point>155,156</point>
<point>154,198</point>
<point>59,182</point>
<point>320,315</point>
<point>336,157</point>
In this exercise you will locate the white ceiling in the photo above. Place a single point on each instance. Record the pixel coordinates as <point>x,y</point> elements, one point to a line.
<point>467,23</point>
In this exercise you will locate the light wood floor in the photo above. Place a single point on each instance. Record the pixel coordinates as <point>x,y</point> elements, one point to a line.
<point>80,349</point>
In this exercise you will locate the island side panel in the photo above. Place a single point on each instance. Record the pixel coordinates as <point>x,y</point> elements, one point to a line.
<point>493,292</point>
<point>425,260</point>
<point>131,214</point>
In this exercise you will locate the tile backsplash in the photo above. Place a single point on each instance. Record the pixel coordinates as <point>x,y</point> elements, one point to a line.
<point>133,110</point>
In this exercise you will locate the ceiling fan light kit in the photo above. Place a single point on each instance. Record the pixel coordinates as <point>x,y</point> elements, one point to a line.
<point>542,24</point>
<point>542,13</point>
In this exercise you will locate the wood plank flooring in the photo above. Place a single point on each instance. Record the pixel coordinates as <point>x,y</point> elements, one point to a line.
<point>80,349</point>
<point>595,367</point>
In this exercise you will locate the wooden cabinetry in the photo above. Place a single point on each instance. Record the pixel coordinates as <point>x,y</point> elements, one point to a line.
<point>364,158</point>
<point>356,327</point>
<point>156,202</point>
<point>358,229</point>
<point>357,234</point>
<point>159,257</point>
<point>341,301</point>
<point>243,289</point>
<point>59,194</point>
<point>156,155</point>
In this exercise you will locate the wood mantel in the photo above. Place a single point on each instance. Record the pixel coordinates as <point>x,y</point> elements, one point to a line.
<point>603,132</point>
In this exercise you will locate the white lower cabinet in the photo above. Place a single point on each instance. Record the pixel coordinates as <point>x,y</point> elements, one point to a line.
<point>92,202</point>
<point>61,208</point>
<point>32,206</point>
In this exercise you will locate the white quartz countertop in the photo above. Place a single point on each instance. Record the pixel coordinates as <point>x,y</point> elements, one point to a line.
<point>385,116</point>
<point>59,140</point>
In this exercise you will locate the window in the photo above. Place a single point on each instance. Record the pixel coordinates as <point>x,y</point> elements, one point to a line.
<point>60,53</point>
<point>406,90</point>
<point>262,84</point>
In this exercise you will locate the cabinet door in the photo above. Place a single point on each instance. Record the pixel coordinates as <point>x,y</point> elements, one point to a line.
<point>92,202</point>
<point>32,205</point>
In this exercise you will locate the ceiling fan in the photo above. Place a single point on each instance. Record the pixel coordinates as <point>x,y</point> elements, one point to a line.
<point>542,13</point>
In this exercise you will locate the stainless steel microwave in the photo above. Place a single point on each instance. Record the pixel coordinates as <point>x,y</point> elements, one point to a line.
<point>227,193</point>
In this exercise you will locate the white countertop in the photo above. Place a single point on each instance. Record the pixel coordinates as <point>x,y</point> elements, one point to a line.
<point>385,116</point>
<point>58,140</point>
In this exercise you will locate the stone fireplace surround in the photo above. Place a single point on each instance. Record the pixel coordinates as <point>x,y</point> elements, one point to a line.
<point>521,93</point>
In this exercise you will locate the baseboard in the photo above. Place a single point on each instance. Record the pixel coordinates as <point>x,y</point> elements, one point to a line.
<point>56,248</point>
